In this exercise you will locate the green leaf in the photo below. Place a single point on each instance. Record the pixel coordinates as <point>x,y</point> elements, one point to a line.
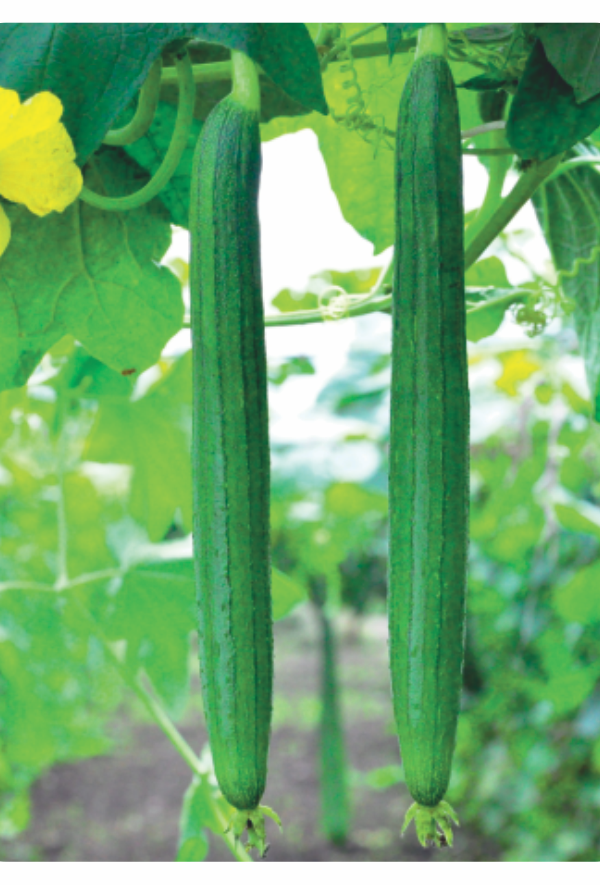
<point>96,69</point>
<point>483,321</point>
<point>149,152</point>
<point>384,777</point>
<point>579,516</point>
<point>88,517</point>
<point>568,208</point>
<point>286,594</point>
<point>296,365</point>
<point>545,118</point>
<point>483,82</point>
<point>194,849</point>
<point>361,165</point>
<point>154,611</point>
<point>574,50</point>
<point>579,599</point>
<point>15,812</point>
<point>288,300</point>
<point>200,803</point>
<point>56,683</point>
<point>89,273</point>
<point>567,691</point>
<point>397,33</point>
<point>488,272</point>
<point>153,436</point>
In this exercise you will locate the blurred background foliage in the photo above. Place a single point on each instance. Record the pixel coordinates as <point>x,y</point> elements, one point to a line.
<point>95,556</point>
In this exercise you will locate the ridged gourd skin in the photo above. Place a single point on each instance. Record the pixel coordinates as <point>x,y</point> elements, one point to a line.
<point>230,452</point>
<point>429,434</point>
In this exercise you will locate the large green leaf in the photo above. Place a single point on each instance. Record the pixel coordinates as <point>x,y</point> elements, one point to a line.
<point>152,435</point>
<point>361,165</point>
<point>483,321</point>
<point>568,209</point>
<point>574,50</point>
<point>92,274</point>
<point>55,681</point>
<point>96,69</point>
<point>155,612</point>
<point>545,118</point>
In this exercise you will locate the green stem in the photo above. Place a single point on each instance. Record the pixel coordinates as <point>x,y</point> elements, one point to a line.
<point>488,152</point>
<point>499,166</point>
<point>511,298</point>
<point>179,141</point>
<point>571,164</point>
<point>215,72</point>
<point>246,85</point>
<point>483,129</point>
<point>432,40</point>
<point>221,70</point>
<point>516,199</point>
<point>366,306</point>
<point>146,109</point>
<point>305,317</point>
<point>25,586</point>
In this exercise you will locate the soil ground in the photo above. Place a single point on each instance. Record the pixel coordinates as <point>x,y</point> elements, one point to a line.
<point>126,806</point>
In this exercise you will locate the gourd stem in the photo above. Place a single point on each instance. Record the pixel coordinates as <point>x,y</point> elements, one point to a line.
<point>432,40</point>
<point>524,189</point>
<point>179,141</point>
<point>246,85</point>
<point>146,109</point>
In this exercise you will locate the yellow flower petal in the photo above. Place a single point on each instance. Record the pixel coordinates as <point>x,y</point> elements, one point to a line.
<point>18,121</point>
<point>10,104</point>
<point>40,172</point>
<point>4,231</point>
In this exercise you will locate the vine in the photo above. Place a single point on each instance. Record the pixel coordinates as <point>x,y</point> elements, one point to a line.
<point>166,170</point>
<point>144,115</point>
<point>356,117</point>
<point>372,128</point>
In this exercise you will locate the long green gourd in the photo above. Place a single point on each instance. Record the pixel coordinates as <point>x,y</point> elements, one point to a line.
<point>230,450</point>
<point>429,437</point>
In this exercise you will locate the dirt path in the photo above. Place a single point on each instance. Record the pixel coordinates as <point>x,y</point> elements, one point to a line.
<point>126,807</point>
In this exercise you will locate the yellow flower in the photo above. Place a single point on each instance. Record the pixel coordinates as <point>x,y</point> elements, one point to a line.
<point>37,158</point>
